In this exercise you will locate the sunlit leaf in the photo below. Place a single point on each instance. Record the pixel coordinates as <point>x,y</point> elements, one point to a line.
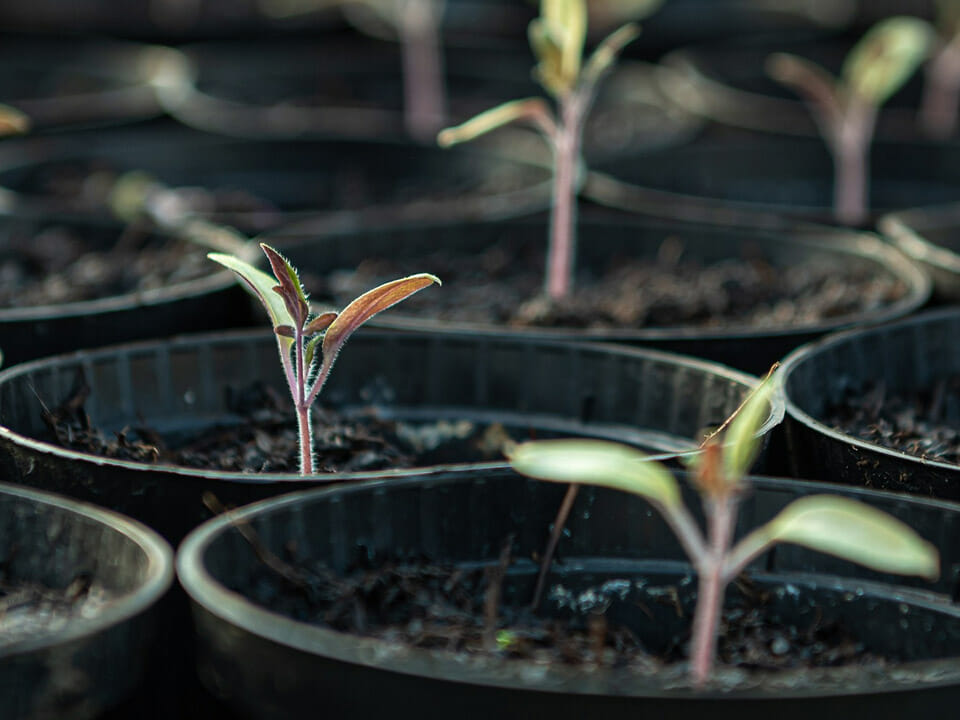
<point>596,462</point>
<point>886,56</point>
<point>566,21</point>
<point>260,284</point>
<point>741,442</point>
<point>856,532</point>
<point>508,112</point>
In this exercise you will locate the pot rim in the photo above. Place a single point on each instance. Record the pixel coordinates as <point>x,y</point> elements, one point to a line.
<point>232,336</point>
<point>804,352</point>
<point>906,230</point>
<point>229,606</point>
<point>159,572</point>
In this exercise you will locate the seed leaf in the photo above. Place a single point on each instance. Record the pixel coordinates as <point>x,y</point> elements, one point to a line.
<point>489,120</point>
<point>886,56</point>
<point>607,52</point>
<point>261,285</point>
<point>596,462</point>
<point>741,442</point>
<point>854,531</point>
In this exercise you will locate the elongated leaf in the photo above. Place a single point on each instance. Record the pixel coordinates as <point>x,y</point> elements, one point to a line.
<point>607,52</point>
<point>886,56</point>
<point>566,21</point>
<point>320,323</point>
<point>532,109</point>
<point>740,441</point>
<point>549,55</point>
<point>290,287</point>
<point>369,304</point>
<point>260,284</point>
<point>854,531</point>
<point>596,462</point>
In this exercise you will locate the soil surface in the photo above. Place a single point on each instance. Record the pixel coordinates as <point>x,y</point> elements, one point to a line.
<point>60,265</point>
<point>922,423</point>
<point>29,610</point>
<point>504,286</point>
<point>485,611</point>
<point>263,438</point>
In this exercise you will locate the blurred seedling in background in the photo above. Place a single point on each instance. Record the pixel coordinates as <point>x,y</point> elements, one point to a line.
<point>309,343</point>
<point>557,39</point>
<point>941,86</point>
<point>13,121</point>
<point>416,24</point>
<point>845,107</point>
<point>845,528</point>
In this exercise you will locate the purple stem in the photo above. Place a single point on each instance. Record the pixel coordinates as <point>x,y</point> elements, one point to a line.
<point>303,409</point>
<point>563,216</point>
<point>423,82</point>
<point>851,161</point>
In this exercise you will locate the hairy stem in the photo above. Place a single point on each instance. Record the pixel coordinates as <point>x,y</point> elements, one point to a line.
<point>303,409</point>
<point>423,82</point>
<point>721,516</point>
<point>563,216</point>
<point>941,92</point>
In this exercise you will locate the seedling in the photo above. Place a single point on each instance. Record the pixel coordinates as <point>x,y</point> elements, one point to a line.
<point>941,87</point>
<point>845,108</point>
<point>300,333</point>
<point>557,39</point>
<point>838,526</point>
<point>417,25</point>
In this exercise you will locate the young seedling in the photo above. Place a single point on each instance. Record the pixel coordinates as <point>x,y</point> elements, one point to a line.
<point>941,86</point>
<point>835,525</point>
<point>300,334</point>
<point>845,108</point>
<point>417,25</point>
<point>557,39</point>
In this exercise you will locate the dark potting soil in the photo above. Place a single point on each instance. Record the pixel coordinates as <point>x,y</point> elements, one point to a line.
<point>58,265</point>
<point>263,438</point>
<point>504,286</point>
<point>923,422</point>
<point>484,611</point>
<point>31,610</point>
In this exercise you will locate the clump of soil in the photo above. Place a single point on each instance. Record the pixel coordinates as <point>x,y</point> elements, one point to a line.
<point>503,285</point>
<point>921,423</point>
<point>29,610</point>
<point>59,265</point>
<point>264,438</point>
<point>484,611</point>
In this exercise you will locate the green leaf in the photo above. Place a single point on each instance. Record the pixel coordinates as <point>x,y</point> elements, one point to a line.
<point>741,442</point>
<point>508,112</point>
<point>261,285</point>
<point>886,56</point>
<point>596,462</point>
<point>856,532</point>
<point>566,20</point>
<point>549,57</point>
<point>607,52</point>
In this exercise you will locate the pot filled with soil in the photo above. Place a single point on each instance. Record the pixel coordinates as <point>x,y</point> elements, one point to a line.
<point>258,184</point>
<point>742,297</point>
<point>73,283</point>
<point>78,596</point>
<point>929,237</point>
<point>147,428</point>
<point>878,407</point>
<point>422,589</point>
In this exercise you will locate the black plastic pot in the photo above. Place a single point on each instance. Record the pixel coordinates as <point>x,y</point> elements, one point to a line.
<point>601,242</point>
<point>273,666</point>
<point>69,83</point>
<point>298,89</point>
<point>760,180</point>
<point>204,299</point>
<point>905,356</point>
<point>88,664</point>
<point>931,236</point>
<point>255,185</point>
<point>654,400</point>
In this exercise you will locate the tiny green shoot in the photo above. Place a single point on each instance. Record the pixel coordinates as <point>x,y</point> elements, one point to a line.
<point>557,39</point>
<point>309,343</point>
<point>845,528</point>
<point>845,108</point>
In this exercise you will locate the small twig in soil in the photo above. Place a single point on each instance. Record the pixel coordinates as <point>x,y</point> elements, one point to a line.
<point>491,598</point>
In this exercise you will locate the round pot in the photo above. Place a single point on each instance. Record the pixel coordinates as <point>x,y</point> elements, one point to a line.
<point>298,89</point>
<point>70,83</point>
<point>173,288</point>
<point>78,665</point>
<point>649,399</point>
<point>603,242</point>
<point>929,237</point>
<point>761,180</point>
<point>615,545</point>
<point>259,184</point>
<point>901,358</point>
